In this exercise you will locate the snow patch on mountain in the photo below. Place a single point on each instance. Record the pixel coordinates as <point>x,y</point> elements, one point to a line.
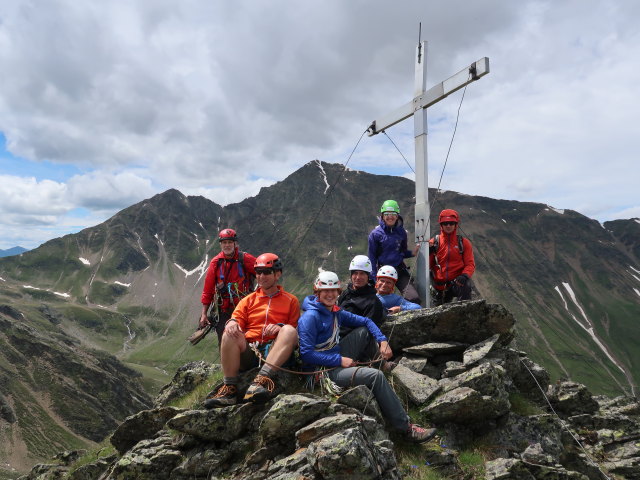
<point>557,210</point>
<point>635,270</point>
<point>84,260</point>
<point>637,291</point>
<point>64,295</point>
<point>158,238</point>
<point>123,284</point>
<point>324,175</point>
<point>202,268</point>
<point>2,279</point>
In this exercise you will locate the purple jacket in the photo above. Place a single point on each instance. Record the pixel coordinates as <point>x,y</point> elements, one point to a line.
<point>388,245</point>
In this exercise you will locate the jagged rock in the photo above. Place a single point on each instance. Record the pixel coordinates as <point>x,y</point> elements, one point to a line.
<point>92,471</point>
<point>142,425</point>
<point>507,469</point>
<point>619,405</point>
<point>51,314</point>
<point>443,460</point>
<point>535,454</point>
<point>202,463</point>
<point>289,413</point>
<point>362,399</point>
<point>329,425</point>
<point>433,349</point>
<point>464,405</point>
<point>452,369</point>
<point>347,454</point>
<point>478,351</point>
<point>221,424</point>
<point>185,380</point>
<point>294,466</point>
<point>68,457</point>
<point>420,365</point>
<point>571,398</point>
<point>543,472</point>
<point>147,460</point>
<point>45,471</point>
<point>629,468</point>
<point>11,312</point>
<point>464,322</point>
<point>419,388</point>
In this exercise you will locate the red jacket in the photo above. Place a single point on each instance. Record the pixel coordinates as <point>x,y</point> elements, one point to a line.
<point>223,276</point>
<point>450,262</point>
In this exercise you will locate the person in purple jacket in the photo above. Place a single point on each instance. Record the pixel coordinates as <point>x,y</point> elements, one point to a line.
<point>321,346</point>
<point>394,303</point>
<point>388,246</point>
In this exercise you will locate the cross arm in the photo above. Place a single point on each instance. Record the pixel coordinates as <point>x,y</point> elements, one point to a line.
<point>436,93</point>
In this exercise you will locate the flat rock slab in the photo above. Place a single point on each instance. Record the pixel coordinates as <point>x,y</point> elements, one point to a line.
<point>420,388</point>
<point>477,352</point>
<point>433,349</point>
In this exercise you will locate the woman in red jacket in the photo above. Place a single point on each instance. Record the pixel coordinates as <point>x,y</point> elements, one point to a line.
<point>450,260</point>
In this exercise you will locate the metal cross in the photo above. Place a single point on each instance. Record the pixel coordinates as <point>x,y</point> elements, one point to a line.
<point>418,108</point>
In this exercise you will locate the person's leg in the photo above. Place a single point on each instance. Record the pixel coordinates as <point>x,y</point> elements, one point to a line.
<point>231,350</point>
<point>222,321</point>
<point>405,285</point>
<point>263,386</point>
<point>375,380</point>
<point>357,344</point>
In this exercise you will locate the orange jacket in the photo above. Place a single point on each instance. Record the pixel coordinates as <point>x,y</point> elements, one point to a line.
<point>257,310</point>
<point>450,262</point>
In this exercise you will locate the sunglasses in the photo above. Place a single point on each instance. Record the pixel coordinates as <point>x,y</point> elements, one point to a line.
<point>447,224</point>
<point>390,214</point>
<point>264,271</point>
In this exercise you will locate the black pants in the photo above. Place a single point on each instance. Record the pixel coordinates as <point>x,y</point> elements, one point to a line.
<point>446,296</point>
<point>405,284</point>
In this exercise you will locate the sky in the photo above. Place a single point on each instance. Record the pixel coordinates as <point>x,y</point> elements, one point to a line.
<point>105,104</point>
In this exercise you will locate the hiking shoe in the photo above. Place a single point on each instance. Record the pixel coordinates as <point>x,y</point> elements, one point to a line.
<point>260,390</point>
<point>417,434</point>
<point>225,396</point>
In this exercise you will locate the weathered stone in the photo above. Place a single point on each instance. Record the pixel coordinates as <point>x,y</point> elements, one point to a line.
<point>142,425</point>
<point>362,399</point>
<point>222,424</point>
<point>45,471</point>
<point>433,349</point>
<point>627,467</point>
<point>535,454</point>
<point>289,413</point>
<point>416,364</point>
<point>147,460</point>
<point>507,469</point>
<point>344,455</point>
<point>202,463</point>
<point>621,405</point>
<point>465,405</point>
<point>478,351</point>
<point>328,426</point>
<point>443,460</point>
<point>452,369</point>
<point>464,322</point>
<point>543,472</point>
<point>571,398</point>
<point>185,380</point>
<point>93,470</point>
<point>487,378</point>
<point>69,456</point>
<point>419,388</point>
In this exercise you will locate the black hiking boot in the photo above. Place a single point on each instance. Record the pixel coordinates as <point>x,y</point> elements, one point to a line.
<point>225,396</point>
<point>260,391</point>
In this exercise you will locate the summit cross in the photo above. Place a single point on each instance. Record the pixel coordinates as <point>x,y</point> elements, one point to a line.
<point>417,108</point>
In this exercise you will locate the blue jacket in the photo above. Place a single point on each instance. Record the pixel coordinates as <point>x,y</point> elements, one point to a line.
<point>388,245</point>
<point>315,326</point>
<point>395,300</point>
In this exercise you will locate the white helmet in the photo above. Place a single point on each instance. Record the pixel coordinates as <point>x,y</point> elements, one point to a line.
<point>326,281</point>
<point>360,262</point>
<point>388,271</point>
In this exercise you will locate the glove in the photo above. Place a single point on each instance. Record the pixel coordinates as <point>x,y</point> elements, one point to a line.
<point>461,280</point>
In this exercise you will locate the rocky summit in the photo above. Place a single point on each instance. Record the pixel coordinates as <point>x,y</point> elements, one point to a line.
<point>497,416</point>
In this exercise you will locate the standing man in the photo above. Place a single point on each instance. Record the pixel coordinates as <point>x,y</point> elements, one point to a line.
<point>360,296</point>
<point>229,278</point>
<point>385,283</point>
<point>388,246</point>
<point>266,319</point>
<point>451,261</point>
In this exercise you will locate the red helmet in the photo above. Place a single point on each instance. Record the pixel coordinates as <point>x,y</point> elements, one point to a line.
<point>449,215</point>
<point>269,260</point>
<point>227,234</point>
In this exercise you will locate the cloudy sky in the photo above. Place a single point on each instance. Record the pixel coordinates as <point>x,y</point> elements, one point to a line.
<point>103,104</point>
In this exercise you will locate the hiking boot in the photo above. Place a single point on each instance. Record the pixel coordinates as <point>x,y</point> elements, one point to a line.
<point>225,396</point>
<point>417,434</point>
<point>260,390</point>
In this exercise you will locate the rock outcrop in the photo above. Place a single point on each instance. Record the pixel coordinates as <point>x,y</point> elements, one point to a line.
<point>456,367</point>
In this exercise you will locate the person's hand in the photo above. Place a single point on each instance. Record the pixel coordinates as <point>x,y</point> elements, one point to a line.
<point>346,362</point>
<point>385,350</point>
<point>204,321</point>
<point>416,249</point>
<point>461,280</point>
<point>233,329</point>
<point>395,309</point>
<point>271,330</point>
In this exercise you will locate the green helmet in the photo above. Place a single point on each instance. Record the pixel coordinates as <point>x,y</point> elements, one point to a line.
<point>390,206</point>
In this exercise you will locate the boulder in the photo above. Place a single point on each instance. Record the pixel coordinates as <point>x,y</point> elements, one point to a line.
<point>185,380</point>
<point>142,425</point>
<point>419,388</point>
<point>507,469</point>
<point>464,405</point>
<point>222,424</point>
<point>478,351</point>
<point>463,322</point>
<point>361,399</point>
<point>433,349</point>
<point>288,414</point>
<point>147,460</point>
<point>571,398</point>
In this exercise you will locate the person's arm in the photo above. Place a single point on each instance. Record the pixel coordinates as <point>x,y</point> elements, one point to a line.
<point>372,253</point>
<point>352,320</point>
<point>468,259</point>
<point>407,305</point>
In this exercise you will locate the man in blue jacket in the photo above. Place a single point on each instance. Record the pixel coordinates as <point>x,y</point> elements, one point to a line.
<point>388,246</point>
<point>321,346</point>
<point>386,282</point>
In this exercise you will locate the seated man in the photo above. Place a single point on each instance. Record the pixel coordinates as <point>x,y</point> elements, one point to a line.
<point>360,296</point>
<point>267,317</point>
<point>321,346</point>
<point>386,281</point>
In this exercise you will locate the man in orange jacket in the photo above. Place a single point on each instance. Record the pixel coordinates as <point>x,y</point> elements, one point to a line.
<point>451,260</point>
<point>266,319</point>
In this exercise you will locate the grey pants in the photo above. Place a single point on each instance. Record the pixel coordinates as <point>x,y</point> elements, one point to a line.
<point>353,346</point>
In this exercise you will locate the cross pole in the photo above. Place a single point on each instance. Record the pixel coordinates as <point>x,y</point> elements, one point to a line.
<point>417,107</point>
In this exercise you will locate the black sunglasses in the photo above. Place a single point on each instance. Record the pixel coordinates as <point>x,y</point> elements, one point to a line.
<point>446,224</point>
<point>264,271</point>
